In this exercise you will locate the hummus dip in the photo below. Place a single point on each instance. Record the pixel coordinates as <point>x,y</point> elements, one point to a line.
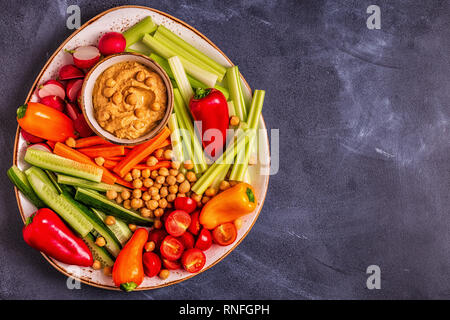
<point>129,99</point>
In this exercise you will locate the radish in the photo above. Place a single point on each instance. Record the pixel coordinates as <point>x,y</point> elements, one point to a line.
<point>72,110</point>
<point>53,101</point>
<point>29,137</point>
<point>85,57</point>
<point>40,146</point>
<point>73,88</point>
<point>79,122</point>
<point>69,72</point>
<point>52,88</point>
<point>111,43</point>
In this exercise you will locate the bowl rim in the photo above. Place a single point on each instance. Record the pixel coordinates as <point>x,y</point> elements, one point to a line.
<point>170,98</point>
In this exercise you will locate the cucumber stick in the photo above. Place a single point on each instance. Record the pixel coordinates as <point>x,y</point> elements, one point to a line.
<point>78,182</point>
<point>120,228</point>
<point>21,182</point>
<point>47,192</point>
<point>52,178</point>
<point>98,253</point>
<point>98,201</point>
<point>53,162</point>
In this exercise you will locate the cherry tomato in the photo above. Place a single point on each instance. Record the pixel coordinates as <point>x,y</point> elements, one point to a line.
<point>177,222</point>
<point>224,234</point>
<point>187,239</point>
<point>204,240</point>
<point>171,265</point>
<point>193,260</point>
<point>157,236</point>
<point>185,204</point>
<point>171,248</point>
<point>194,227</point>
<point>152,264</point>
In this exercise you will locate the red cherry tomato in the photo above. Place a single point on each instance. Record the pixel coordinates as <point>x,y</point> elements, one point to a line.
<point>185,204</point>
<point>224,234</point>
<point>204,240</point>
<point>187,239</point>
<point>171,265</point>
<point>152,264</point>
<point>177,222</point>
<point>157,236</point>
<point>193,260</point>
<point>171,248</point>
<point>194,227</point>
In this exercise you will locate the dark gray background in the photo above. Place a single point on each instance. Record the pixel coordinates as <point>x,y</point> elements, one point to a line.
<point>364,127</point>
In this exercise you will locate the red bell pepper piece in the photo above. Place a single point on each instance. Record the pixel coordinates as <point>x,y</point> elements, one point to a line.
<point>46,232</point>
<point>210,107</point>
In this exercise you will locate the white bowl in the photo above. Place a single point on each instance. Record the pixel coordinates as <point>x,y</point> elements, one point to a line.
<point>88,86</point>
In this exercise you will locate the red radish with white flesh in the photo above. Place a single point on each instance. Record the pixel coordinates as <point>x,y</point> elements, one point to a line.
<point>111,43</point>
<point>53,101</point>
<point>40,146</point>
<point>73,88</point>
<point>69,72</point>
<point>72,110</point>
<point>52,88</point>
<point>29,137</point>
<point>85,57</point>
<point>79,122</point>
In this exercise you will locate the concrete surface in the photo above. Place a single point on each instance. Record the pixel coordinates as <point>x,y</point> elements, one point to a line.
<point>364,146</point>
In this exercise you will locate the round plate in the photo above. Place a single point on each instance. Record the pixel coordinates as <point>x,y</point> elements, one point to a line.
<point>119,19</point>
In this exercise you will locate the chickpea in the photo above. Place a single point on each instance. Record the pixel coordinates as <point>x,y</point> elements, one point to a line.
<point>164,274</point>
<point>132,98</point>
<point>184,187</point>
<point>175,165</point>
<point>163,192</point>
<point>139,113</point>
<point>210,192</point>
<point>224,185</point>
<point>135,173</point>
<point>110,220</point>
<point>157,185</point>
<point>119,199</point>
<point>233,183</point>
<point>103,116</point>
<point>145,212</point>
<point>107,271</point>
<point>128,177</point>
<point>156,197</point>
<point>160,179</point>
<point>171,180</point>
<point>111,194</point>
<point>70,142</point>
<point>163,172</point>
<point>137,193</point>
<point>154,174</point>
<point>181,195</point>
<point>156,106</point>
<point>159,153</point>
<point>180,178</point>
<point>145,173</point>
<point>152,204</point>
<point>96,265</point>
<point>238,223</point>
<point>162,203</point>
<point>188,165</point>
<point>137,183</point>
<point>110,82</point>
<point>168,154</point>
<point>151,161</point>
<point>149,246</point>
<point>136,203</point>
<point>205,199</point>
<point>153,191</point>
<point>171,197</point>
<point>150,82</point>
<point>117,98</point>
<point>173,172</point>
<point>158,212</point>
<point>190,176</point>
<point>108,92</point>
<point>169,205</point>
<point>146,196</point>
<point>157,224</point>
<point>140,76</point>
<point>125,194</point>
<point>132,227</point>
<point>138,124</point>
<point>100,241</point>
<point>196,197</point>
<point>99,161</point>
<point>199,204</point>
<point>127,204</point>
<point>234,121</point>
<point>148,182</point>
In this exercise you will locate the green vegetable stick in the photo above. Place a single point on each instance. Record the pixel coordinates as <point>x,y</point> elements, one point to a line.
<point>137,32</point>
<point>234,85</point>
<point>175,138</point>
<point>180,77</point>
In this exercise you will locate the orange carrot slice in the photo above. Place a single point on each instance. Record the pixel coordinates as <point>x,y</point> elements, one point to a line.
<point>103,151</point>
<point>91,141</point>
<point>110,164</point>
<point>160,164</point>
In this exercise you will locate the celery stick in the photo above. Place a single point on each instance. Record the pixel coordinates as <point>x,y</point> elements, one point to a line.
<point>231,110</point>
<point>191,68</point>
<point>220,177</point>
<point>181,79</point>
<point>139,47</point>
<point>175,138</point>
<point>182,53</point>
<point>234,85</point>
<point>191,49</point>
<point>137,32</point>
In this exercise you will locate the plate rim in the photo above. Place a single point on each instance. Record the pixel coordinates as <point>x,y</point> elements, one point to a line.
<point>16,142</point>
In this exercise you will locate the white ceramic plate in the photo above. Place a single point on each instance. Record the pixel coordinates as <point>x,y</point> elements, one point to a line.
<point>119,19</point>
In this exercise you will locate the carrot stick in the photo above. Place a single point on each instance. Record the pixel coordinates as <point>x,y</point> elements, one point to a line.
<point>117,158</point>
<point>160,164</point>
<point>69,153</point>
<point>124,183</point>
<point>140,152</point>
<point>103,151</point>
<point>110,164</point>
<point>91,141</point>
